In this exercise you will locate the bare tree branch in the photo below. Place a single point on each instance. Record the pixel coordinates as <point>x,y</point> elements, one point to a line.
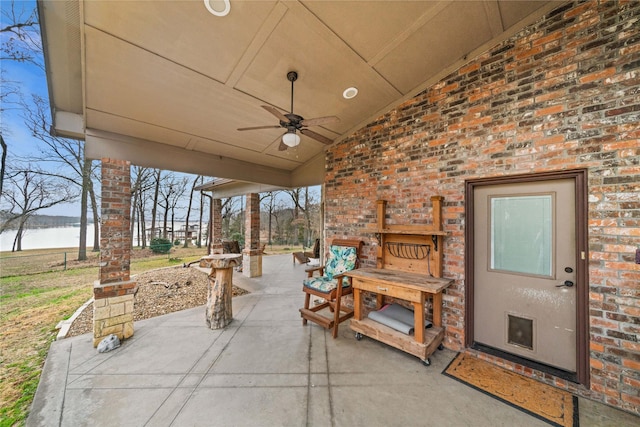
<point>21,36</point>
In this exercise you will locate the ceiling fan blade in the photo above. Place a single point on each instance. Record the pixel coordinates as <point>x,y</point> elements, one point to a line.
<point>282,146</point>
<point>316,136</point>
<point>260,127</point>
<point>320,121</point>
<point>276,113</point>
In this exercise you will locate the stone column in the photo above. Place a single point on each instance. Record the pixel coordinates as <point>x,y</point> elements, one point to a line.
<point>251,256</point>
<point>215,246</point>
<point>113,293</point>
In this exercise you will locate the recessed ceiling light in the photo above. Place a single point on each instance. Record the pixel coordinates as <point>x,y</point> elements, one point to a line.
<point>350,92</point>
<point>218,7</point>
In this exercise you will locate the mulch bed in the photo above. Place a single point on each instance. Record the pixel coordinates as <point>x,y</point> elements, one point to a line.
<point>161,291</point>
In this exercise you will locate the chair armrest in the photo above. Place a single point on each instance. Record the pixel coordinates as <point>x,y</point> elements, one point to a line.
<point>310,270</point>
<point>342,276</point>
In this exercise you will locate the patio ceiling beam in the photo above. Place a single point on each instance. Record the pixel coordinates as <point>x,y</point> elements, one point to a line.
<point>151,154</point>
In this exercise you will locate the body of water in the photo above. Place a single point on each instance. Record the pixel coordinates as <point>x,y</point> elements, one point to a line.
<point>55,237</point>
<point>44,238</point>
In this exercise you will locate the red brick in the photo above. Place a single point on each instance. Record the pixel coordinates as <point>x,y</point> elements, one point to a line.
<point>608,72</point>
<point>505,128</point>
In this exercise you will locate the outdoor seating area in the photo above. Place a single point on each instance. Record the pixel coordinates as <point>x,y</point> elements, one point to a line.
<point>330,285</point>
<point>264,369</point>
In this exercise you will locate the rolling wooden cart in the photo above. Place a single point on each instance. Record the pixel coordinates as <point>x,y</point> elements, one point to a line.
<point>409,268</point>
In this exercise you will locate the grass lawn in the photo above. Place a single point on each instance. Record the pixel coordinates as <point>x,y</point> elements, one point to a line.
<point>31,305</point>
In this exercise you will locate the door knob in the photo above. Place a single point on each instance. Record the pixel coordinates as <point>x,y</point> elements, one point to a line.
<point>567,283</point>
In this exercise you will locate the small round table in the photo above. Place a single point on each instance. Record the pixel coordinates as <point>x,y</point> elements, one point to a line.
<point>219,312</point>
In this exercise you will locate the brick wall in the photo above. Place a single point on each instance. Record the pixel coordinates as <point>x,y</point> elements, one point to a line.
<point>563,93</point>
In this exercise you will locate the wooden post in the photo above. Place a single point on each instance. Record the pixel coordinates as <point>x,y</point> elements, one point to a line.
<point>436,205</point>
<point>219,312</point>
<point>381,212</point>
<point>382,209</point>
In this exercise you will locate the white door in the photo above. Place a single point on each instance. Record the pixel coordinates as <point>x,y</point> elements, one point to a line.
<point>525,270</point>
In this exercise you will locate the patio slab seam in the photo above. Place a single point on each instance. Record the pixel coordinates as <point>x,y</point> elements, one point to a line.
<point>203,376</point>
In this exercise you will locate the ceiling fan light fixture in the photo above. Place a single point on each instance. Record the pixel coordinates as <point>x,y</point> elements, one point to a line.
<point>218,7</point>
<point>350,92</point>
<point>291,139</point>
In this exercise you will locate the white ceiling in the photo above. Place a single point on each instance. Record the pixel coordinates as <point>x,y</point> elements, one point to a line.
<point>166,84</point>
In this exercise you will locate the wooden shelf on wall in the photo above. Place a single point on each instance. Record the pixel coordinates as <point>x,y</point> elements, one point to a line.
<point>404,230</point>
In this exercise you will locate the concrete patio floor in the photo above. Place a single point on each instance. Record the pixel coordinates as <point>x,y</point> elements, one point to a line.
<point>264,369</point>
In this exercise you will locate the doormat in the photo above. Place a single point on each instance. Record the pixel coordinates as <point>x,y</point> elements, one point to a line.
<point>557,407</point>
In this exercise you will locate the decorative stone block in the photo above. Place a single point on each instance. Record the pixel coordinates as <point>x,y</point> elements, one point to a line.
<point>251,265</point>
<point>113,310</point>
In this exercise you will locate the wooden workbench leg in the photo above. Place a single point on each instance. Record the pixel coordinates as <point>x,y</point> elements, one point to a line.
<point>437,309</point>
<point>356,304</point>
<point>418,321</point>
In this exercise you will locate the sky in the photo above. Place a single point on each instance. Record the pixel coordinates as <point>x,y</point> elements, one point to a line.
<point>32,80</point>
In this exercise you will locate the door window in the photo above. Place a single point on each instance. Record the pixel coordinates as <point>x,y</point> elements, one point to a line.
<point>521,234</point>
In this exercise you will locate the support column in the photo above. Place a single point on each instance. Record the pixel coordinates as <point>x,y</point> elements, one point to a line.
<point>251,255</point>
<point>113,293</point>
<point>215,245</point>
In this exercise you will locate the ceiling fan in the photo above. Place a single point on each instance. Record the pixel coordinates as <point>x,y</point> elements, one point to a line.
<point>294,123</point>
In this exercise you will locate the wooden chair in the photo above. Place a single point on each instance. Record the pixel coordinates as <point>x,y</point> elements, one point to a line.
<point>231,247</point>
<point>303,257</point>
<point>331,285</point>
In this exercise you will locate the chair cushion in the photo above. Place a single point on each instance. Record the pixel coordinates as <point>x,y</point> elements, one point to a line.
<point>340,259</point>
<point>323,284</point>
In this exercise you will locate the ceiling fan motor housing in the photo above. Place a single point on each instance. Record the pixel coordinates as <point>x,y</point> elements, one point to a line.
<point>294,121</point>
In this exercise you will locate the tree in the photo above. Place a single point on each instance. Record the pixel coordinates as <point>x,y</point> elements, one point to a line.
<point>209,233</point>
<point>186,226</point>
<point>142,181</point>
<point>69,162</point>
<point>171,190</point>
<point>154,206</point>
<point>202,207</point>
<point>27,193</point>
<point>269,205</point>
<point>303,201</point>
<point>4,161</point>
<point>20,42</point>
<point>21,34</point>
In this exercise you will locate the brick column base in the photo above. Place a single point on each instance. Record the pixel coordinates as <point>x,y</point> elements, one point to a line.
<point>113,310</point>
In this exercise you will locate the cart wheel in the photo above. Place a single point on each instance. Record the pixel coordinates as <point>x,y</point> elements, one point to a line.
<point>358,336</point>
<point>440,347</point>
<point>426,362</point>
